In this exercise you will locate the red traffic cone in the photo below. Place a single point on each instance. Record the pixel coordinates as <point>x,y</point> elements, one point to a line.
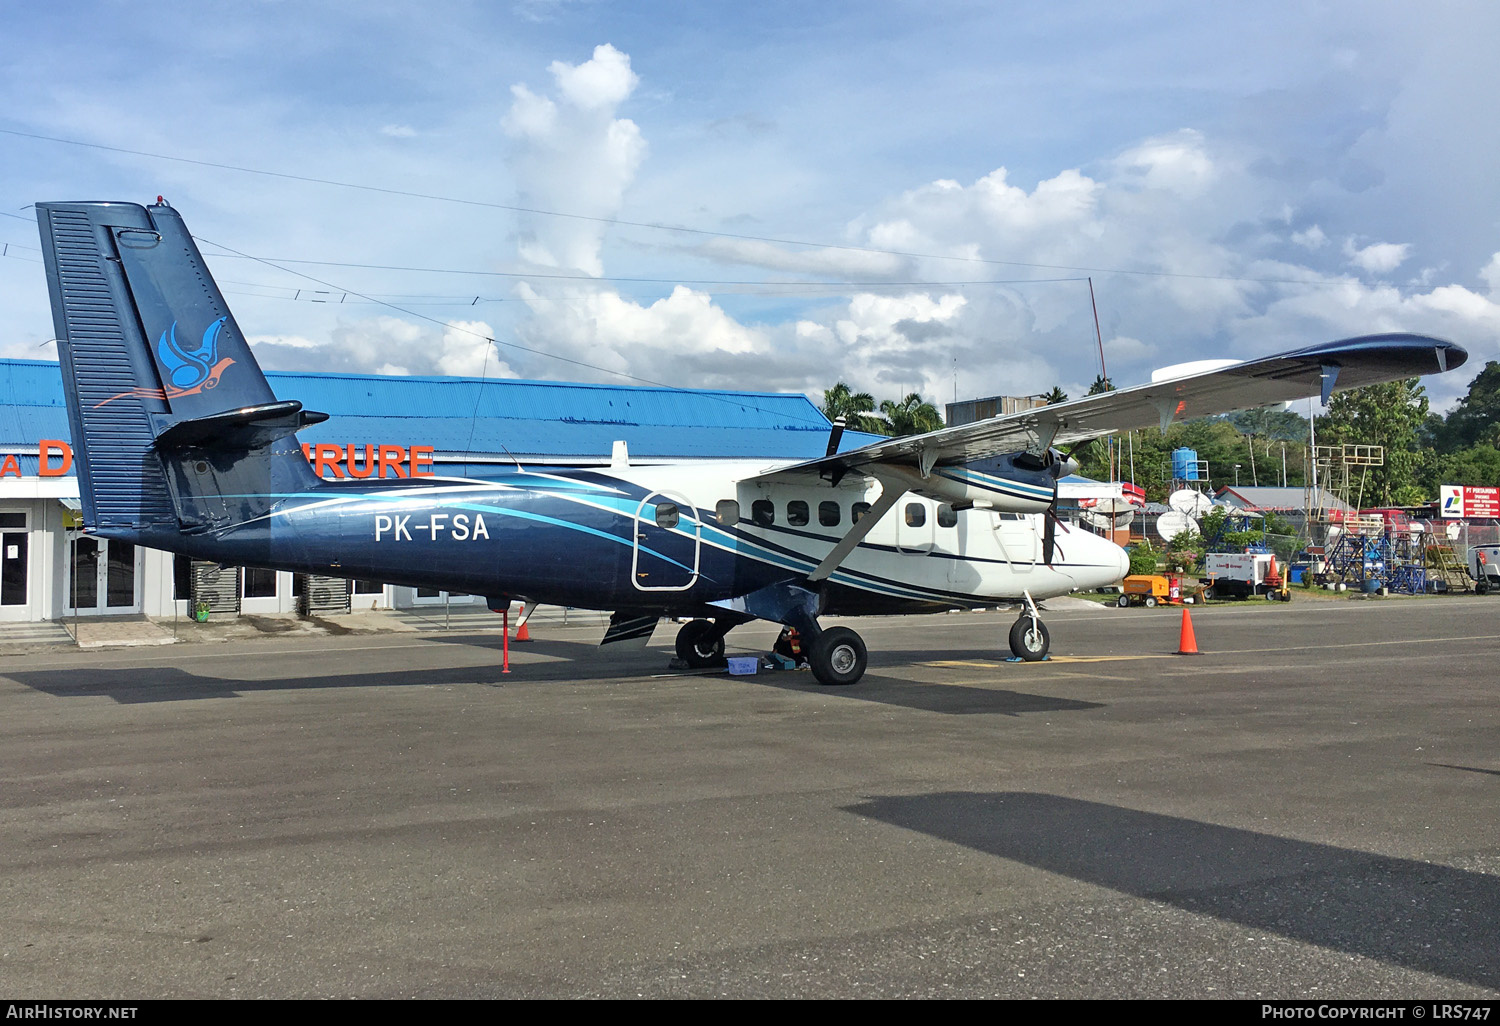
<point>1188,644</point>
<point>523,632</point>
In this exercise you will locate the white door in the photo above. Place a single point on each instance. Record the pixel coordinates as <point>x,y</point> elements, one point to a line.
<point>1020,545</point>
<point>915,525</point>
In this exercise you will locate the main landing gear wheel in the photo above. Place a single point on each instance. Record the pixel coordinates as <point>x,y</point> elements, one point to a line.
<point>1029,640</point>
<point>838,656</point>
<point>700,644</point>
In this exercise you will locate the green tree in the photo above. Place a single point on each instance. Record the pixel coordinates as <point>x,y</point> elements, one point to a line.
<point>911,416</point>
<point>857,409</point>
<point>1390,415</point>
<point>1270,422</point>
<point>1477,465</point>
<point>1101,384</point>
<point>1057,395</point>
<point>1477,414</point>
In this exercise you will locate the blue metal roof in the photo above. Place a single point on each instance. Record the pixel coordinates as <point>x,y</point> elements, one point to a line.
<point>525,418</point>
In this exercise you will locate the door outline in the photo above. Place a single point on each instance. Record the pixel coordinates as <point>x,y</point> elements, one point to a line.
<point>645,528</point>
<point>1019,531</point>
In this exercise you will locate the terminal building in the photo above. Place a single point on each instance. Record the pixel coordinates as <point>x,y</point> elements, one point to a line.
<point>378,424</point>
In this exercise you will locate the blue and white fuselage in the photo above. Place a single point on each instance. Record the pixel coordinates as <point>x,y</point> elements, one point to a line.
<point>666,538</point>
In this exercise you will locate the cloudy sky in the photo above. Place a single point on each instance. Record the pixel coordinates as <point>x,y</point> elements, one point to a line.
<point>775,196</point>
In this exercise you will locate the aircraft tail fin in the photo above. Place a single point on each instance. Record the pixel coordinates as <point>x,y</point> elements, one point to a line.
<point>174,424</point>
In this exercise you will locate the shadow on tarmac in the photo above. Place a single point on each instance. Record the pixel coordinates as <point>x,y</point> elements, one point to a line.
<point>561,662</point>
<point>1430,918</point>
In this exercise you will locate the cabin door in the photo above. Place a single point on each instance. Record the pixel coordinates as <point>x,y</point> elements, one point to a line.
<point>667,543</point>
<point>1020,545</point>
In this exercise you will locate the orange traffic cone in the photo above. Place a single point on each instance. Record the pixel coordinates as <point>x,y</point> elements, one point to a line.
<point>523,632</point>
<point>1188,645</point>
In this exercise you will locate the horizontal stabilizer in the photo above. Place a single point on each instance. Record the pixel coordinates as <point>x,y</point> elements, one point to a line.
<point>251,428</point>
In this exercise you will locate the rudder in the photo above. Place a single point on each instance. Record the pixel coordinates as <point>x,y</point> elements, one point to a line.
<point>165,400</point>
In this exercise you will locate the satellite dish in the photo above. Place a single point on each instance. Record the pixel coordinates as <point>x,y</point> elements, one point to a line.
<point>1109,521</point>
<point>1113,506</point>
<point>1170,525</point>
<point>1193,503</point>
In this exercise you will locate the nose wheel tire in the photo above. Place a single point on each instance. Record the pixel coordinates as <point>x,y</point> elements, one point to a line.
<point>700,644</point>
<point>837,656</point>
<point>1029,640</point>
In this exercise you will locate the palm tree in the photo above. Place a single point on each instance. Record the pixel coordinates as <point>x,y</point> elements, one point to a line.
<point>1057,395</point>
<point>911,416</point>
<point>1101,384</point>
<point>854,407</point>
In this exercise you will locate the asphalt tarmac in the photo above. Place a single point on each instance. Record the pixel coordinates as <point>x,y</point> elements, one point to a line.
<point>1308,810</point>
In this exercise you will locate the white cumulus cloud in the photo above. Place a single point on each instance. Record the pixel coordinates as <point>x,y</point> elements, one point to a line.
<point>389,345</point>
<point>1378,257</point>
<point>573,154</point>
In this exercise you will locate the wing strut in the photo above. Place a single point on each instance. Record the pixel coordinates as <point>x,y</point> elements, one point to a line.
<point>890,494</point>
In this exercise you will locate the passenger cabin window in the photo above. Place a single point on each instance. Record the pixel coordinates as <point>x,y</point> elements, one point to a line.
<point>728,511</point>
<point>763,512</point>
<point>666,514</point>
<point>858,511</point>
<point>828,514</point>
<point>796,513</point>
<point>947,516</point>
<point>916,514</point>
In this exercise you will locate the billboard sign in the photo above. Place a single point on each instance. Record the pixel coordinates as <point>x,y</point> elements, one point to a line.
<point>1467,501</point>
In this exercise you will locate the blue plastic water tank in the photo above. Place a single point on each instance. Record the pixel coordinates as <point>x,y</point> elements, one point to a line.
<point>1185,464</point>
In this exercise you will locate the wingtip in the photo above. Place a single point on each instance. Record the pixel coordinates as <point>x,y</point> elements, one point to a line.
<point>1450,356</point>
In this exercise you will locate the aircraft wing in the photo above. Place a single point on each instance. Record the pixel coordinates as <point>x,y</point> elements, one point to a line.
<point>1314,371</point>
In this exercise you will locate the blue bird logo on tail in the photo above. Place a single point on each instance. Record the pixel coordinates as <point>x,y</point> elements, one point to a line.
<point>188,368</point>
<point>188,371</point>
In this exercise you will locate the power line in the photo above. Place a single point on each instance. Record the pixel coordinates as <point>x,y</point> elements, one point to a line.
<point>449,326</point>
<point>683,229</point>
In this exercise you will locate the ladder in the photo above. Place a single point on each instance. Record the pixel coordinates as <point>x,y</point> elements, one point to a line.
<point>1444,564</point>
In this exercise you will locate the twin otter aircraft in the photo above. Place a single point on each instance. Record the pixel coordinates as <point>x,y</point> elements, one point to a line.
<point>183,447</point>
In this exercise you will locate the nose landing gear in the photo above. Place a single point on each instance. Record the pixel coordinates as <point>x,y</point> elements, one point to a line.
<point>1029,638</point>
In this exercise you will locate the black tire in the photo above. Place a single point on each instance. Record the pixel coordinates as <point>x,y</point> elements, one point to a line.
<point>700,645</point>
<point>1029,645</point>
<point>1207,594</point>
<point>838,656</point>
<point>1481,587</point>
<point>1123,601</point>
